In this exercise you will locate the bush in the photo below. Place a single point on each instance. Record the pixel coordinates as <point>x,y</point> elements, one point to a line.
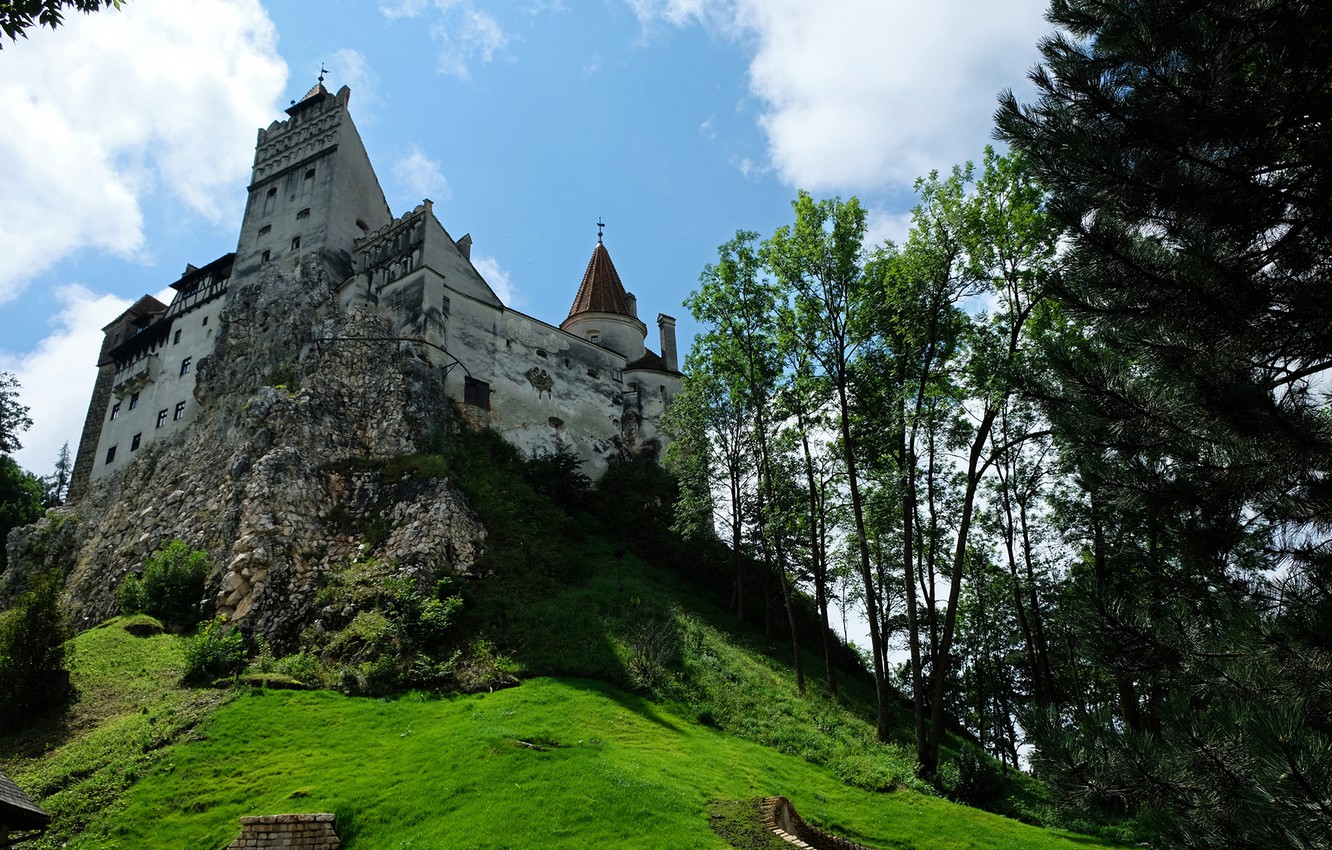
<point>32,653</point>
<point>171,587</point>
<point>219,650</point>
<point>971,778</point>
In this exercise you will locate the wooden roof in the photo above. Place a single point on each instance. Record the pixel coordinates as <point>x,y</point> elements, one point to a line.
<point>601,290</point>
<point>17,810</point>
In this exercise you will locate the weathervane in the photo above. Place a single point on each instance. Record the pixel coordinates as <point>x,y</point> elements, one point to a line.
<point>600,224</point>
<point>322,72</point>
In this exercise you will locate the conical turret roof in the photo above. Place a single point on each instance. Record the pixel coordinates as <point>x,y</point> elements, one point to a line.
<point>601,290</point>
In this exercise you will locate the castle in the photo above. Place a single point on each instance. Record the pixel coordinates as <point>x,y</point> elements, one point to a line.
<point>589,386</point>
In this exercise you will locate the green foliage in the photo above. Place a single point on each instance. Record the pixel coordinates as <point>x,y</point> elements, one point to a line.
<point>32,653</point>
<point>20,501</point>
<point>18,16</point>
<point>1186,385</point>
<point>171,587</point>
<point>218,651</point>
<point>13,416</point>
<point>971,778</point>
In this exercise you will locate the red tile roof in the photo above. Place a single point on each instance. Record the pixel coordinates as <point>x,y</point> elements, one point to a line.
<point>601,290</point>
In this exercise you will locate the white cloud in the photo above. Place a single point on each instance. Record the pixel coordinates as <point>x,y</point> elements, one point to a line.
<point>864,94</point>
<point>498,279</point>
<point>465,34</point>
<point>421,176</point>
<point>882,225</point>
<point>349,67</point>
<point>56,377</point>
<point>106,111</point>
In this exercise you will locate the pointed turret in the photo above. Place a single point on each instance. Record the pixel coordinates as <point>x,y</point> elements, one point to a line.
<point>603,312</point>
<point>601,290</point>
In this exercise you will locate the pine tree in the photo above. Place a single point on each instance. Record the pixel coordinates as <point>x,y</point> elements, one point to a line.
<point>1188,150</point>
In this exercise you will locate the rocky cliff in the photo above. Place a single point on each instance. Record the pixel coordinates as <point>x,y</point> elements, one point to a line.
<point>270,479</point>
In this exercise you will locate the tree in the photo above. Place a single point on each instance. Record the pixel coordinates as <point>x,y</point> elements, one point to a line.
<point>1187,149</point>
<point>32,653</point>
<point>13,416</point>
<point>20,501</point>
<point>18,16</point>
<point>56,485</point>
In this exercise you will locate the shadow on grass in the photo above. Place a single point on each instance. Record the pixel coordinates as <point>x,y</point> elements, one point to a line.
<point>636,704</point>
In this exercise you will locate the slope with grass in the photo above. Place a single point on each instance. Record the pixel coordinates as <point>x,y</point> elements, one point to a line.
<point>643,702</point>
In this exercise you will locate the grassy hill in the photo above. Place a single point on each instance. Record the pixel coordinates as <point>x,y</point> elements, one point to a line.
<point>642,702</point>
<point>556,762</point>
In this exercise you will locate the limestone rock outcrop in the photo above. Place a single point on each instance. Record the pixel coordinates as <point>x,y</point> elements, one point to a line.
<point>271,479</point>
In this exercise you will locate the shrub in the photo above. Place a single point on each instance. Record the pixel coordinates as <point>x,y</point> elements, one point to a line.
<point>32,653</point>
<point>217,651</point>
<point>171,588</point>
<point>971,779</point>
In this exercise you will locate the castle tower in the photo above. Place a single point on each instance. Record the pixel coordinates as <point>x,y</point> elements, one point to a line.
<point>603,312</point>
<point>313,189</point>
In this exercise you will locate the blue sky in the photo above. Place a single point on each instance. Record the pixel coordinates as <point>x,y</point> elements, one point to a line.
<point>129,135</point>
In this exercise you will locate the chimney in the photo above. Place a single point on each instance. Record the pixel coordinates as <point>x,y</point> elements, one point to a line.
<point>465,246</point>
<point>632,300</point>
<point>666,324</point>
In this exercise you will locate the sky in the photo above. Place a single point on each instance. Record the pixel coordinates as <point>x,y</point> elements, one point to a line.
<point>128,138</point>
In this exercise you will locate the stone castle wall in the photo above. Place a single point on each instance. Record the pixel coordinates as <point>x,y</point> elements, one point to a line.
<point>289,832</point>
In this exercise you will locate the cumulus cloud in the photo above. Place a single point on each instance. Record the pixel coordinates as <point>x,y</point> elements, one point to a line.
<point>421,177</point>
<point>349,67</point>
<point>465,34</point>
<point>882,226</point>
<point>865,94</point>
<point>56,377</point>
<point>106,111</point>
<point>498,279</point>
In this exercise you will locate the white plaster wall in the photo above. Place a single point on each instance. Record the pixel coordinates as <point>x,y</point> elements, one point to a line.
<point>167,388</point>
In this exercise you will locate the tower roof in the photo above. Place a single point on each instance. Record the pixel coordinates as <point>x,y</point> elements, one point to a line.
<point>601,290</point>
<point>317,94</point>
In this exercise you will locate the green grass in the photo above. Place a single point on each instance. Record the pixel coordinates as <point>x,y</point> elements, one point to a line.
<point>129,709</point>
<point>553,763</point>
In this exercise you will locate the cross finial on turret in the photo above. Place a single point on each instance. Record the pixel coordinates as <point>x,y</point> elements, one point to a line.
<point>600,225</point>
<point>322,72</point>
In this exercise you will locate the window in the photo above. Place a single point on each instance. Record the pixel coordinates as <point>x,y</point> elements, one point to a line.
<point>617,375</point>
<point>175,340</point>
<point>134,401</point>
<point>111,455</point>
<point>305,213</point>
<point>263,231</point>
<point>204,323</point>
<point>161,417</point>
<point>115,410</point>
<point>476,393</point>
<point>263,258</point>
<point>296,244</point>
<point>446,305</point>
<point>180,410</point>
<point>185,366</point>
<point>134,443</point>
<point>594,337</point>
<point>309,175</point>
<point>270,200</point>
<point>542,353</point>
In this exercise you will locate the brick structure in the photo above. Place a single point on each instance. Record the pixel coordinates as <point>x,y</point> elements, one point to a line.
<point>289,832</point>
<point>780,817</point>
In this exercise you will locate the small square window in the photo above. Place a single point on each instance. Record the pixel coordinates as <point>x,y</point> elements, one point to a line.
<point>180,410</point>
<point>185,366</point>
<point>617,375</point>
<point>476,393</point>
<point>263,258</point>
<point>134,401</point>
<point>161,417</point>
<point>134,443</point>
<point>204,323</point>
<point>175,340</point>
<point>111,455</point>
<point>296,244</point>
<point>115,410</point>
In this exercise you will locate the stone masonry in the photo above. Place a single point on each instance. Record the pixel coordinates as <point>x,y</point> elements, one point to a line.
<point>289,832</point>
